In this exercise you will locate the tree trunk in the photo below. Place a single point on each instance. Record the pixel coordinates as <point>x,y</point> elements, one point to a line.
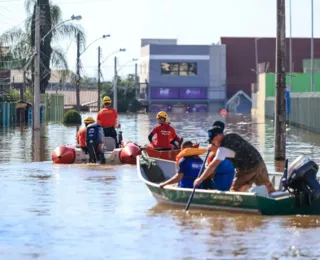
<point>45,48</point>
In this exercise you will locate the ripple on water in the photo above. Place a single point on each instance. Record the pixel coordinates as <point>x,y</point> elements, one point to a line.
<point>93,212</point>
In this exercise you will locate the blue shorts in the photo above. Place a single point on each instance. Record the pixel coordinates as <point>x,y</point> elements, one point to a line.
<point>223,176</point>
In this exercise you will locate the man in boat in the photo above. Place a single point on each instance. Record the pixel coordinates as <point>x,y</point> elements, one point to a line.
<point>94,140</point>
<point>188,167</point>
<point>249,165</point>
<point>81,135</point>
<point>107,118</point>
<point>165,134</point>
<point>221,179</point>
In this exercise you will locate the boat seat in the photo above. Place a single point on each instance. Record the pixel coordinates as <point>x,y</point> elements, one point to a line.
<point>153,172</point>
<point>279,194</point>
<point>261,191</point>
<point>109,144</point>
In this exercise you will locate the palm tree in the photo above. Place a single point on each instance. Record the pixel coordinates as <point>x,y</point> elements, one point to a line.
<point>22,42</point>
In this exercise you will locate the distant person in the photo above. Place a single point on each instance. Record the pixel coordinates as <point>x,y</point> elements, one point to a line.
<point>81,135</point>
<point>187,170</point>
<point>94,141</point>
<point>249,165</point>
<point>107,118</point>
<point>164,133</point>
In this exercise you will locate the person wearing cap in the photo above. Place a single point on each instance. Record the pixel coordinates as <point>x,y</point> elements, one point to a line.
<point>164,133</point>
<point>188,166</point>
<point>107,118</point>
<point>81,135</point>
<point>249,165</point>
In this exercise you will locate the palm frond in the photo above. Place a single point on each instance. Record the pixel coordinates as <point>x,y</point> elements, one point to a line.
<point>56,14</point>
<point>12,36</point>
<point>29,4</point>
<point>70,30</point>
<point>59,59</point>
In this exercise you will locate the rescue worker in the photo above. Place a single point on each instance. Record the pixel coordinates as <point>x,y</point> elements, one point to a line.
<point>249,165</point>
<point>164,133</point>
<point>187,170</point>
<point>81,135</point>
<point>94,140</point>
<point>107,118</point>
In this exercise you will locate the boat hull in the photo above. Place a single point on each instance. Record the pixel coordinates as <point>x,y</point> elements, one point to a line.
<point>248,202</point>
<point>170,155</point>
<point>68,154</point>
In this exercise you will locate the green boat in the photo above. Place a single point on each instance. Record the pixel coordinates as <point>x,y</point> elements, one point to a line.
<point>153,171</point>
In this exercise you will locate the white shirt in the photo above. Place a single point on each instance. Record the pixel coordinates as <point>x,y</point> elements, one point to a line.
<point>223,153</point>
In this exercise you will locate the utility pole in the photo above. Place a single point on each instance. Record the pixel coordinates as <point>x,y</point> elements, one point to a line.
<point>280,104</point>
<point>78,74</point>
<point>312,50</point>
<point>256,61</point>
<point>290,43</point>
<point>115,88</point>
<point>99,72</point>
<point>23,85</point>
<point>36,93</point>
<point>136,85</point>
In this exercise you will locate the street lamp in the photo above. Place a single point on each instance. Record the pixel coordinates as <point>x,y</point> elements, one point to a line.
<point>120,50</point>
<point>103,37</point>
<point>99,69</point>
<point>115,89</point>
<point>78,64</point>
<point>126,64</point>
<point>73,17</point>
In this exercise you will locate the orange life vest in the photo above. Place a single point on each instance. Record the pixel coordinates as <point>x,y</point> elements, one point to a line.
<point>190,152</point>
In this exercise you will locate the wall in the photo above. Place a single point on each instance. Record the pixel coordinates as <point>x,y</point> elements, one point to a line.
<point>217,73</point>
<point>241,59</point>
<point>301,82</point>
<point>303,110</point>
<point>179,53</point>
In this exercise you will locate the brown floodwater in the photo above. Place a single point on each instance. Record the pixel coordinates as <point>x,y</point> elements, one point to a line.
<point>105,212</point>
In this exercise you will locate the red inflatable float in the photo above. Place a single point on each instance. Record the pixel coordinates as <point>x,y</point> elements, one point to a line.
<point>68,154</point>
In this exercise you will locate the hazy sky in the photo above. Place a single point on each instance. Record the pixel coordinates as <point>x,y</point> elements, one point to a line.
<point>191,22</point>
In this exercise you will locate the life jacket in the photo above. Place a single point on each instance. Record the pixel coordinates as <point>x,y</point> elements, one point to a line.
<point>246,157</point>
<point>190,166</point>
<point>94,134</point>
<point>190,152</point>
<point>211,157</point>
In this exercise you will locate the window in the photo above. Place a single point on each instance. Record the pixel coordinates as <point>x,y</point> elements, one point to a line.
<point>171,69</point>
<point>179,69</point>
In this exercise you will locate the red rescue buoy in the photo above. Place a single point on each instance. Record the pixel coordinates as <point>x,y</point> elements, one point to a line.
<point>223,112</point>
<point>129,153</point>
<point>64,155</point>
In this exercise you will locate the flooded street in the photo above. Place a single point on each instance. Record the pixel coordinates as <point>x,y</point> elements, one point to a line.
<point>105,212</point>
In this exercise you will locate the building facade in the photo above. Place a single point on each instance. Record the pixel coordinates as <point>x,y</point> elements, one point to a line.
<point>182,77</point>
<point>249,56</point>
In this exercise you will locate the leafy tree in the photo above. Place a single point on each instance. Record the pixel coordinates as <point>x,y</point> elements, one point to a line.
<point>22,42</point>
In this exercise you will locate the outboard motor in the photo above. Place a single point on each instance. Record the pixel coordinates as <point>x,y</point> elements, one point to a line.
<point>302,179</point>
<point>94,137</point>
<point>120,139</point>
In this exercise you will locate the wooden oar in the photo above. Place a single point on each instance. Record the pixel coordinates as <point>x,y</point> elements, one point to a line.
<point>194,188</point>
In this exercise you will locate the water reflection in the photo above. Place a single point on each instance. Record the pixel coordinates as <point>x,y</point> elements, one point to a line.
<point>106,212</point>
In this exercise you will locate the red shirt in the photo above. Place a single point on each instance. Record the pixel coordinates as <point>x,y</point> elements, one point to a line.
<point>81,137</point>
<point>107,117</point>
<point>165,133</point>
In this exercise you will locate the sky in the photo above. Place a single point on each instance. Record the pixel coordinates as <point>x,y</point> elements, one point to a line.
<point>190,22</point>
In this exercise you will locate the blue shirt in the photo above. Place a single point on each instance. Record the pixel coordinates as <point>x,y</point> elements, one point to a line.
<point>224,175</point>
<point>190,167</point>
